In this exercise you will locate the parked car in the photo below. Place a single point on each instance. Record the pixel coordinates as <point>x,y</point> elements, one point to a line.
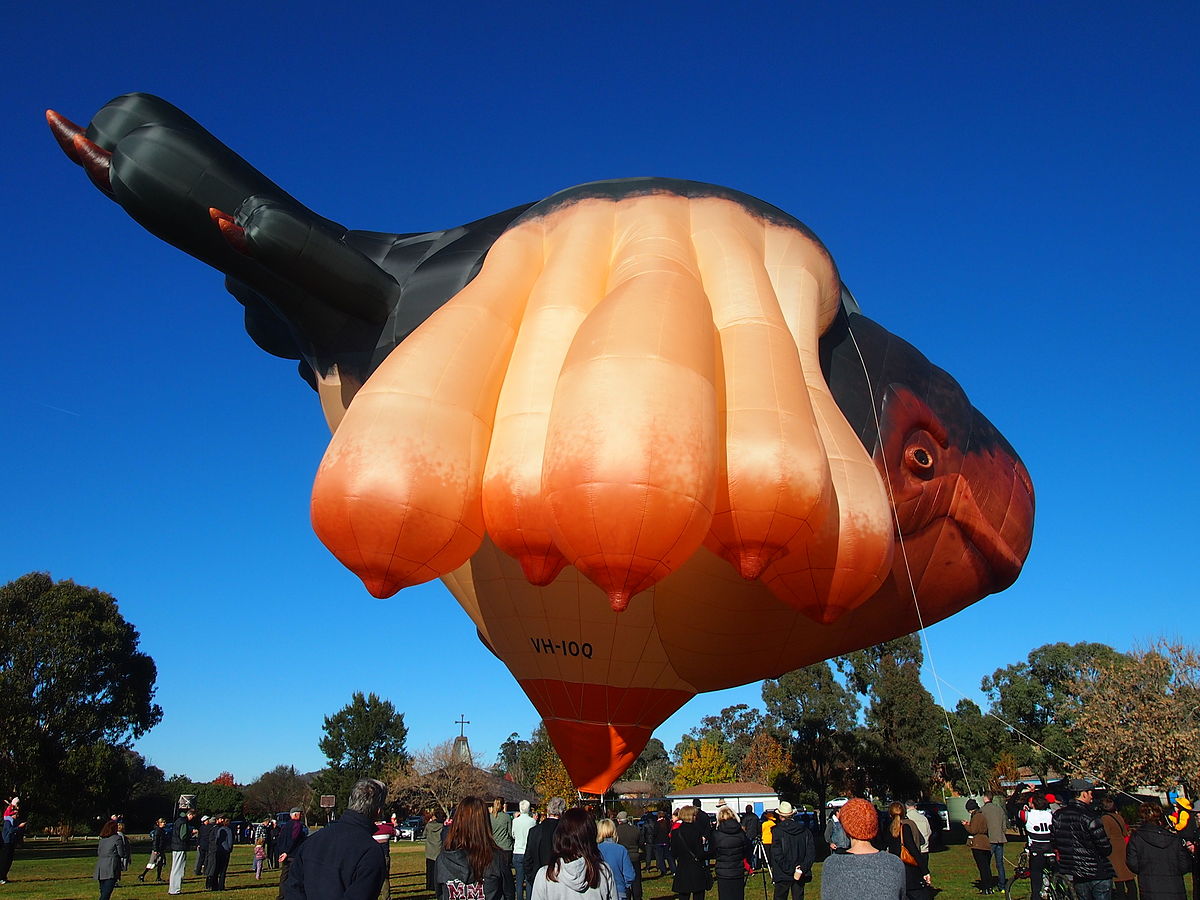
<point>411,828</point>
<point>939,824</point>
<point>837,802</point>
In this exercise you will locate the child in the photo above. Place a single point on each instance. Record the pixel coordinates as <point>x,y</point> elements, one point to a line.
<point>260,856</point>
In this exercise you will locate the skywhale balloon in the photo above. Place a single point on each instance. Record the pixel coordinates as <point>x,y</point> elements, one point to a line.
<point>632,427</point>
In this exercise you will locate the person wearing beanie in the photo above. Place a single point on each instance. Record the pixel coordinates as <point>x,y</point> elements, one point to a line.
<point>862,872</point>
<point>981,846</point>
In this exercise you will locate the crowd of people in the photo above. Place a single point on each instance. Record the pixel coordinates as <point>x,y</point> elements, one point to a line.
<point>481,852</point>
<point>1086,841</point>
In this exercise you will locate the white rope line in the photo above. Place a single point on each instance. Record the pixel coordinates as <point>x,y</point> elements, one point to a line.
<point>938,681</point>
<point>912,588</point>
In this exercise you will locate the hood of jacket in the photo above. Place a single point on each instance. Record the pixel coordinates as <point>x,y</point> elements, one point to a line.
<point>790,826</point>
<point>456,865</point>
<point>728,826</point>
<point>573,875</point>
<point>1157,836</point>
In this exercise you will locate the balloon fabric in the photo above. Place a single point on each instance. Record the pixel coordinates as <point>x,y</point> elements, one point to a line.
<point>635,427</point>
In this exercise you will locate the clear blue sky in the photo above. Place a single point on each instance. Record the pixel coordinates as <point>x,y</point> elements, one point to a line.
<point>1012,187</point>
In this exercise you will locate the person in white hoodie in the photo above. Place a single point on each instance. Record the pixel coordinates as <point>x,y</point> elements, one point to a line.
<point>576,869</point>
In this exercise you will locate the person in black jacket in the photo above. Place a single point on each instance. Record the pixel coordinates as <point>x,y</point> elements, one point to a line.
<point>207,823</point>
<point>731,851</point>
<point>183,837</point>
<point>1078,835</point>
<point>220,847</point>
<point>752,825</point>
<point>792,854</point>
<point>539,847</point>
<point>159,842</point>
<point>291,835</point>
<point>1158,855</point>
<point>342,861</point>
<point>691,868</point>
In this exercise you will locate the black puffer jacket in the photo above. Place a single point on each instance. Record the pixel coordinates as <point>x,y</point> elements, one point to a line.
<point>730,848</point>
<point>1160,860</point>
<point>1078,835</point>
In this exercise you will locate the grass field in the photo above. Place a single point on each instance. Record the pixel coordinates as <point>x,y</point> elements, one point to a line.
<point>54,870</point>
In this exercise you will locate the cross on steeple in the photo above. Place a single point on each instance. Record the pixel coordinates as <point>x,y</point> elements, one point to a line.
<point>461,722</point>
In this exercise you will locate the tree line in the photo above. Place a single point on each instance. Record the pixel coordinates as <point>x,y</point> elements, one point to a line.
<point>71,708</point>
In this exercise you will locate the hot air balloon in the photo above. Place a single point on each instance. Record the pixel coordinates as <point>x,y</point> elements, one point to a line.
<point>631,426</point>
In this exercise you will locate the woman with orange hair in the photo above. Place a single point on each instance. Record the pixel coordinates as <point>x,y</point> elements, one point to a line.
<point>468,868</point>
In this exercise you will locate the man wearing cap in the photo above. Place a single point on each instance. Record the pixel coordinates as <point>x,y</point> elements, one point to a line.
<point>862,871</point>
<point>1078,835</point>
<point>202,832</point>
<point>792,855</point>
<point>291,836</point>
<point>629,836</point>
<point>183,836</point>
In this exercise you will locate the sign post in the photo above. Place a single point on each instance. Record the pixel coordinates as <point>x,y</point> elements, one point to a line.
<point>328,801</point>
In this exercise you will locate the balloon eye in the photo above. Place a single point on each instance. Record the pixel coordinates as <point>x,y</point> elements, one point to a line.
<point>919,460</point>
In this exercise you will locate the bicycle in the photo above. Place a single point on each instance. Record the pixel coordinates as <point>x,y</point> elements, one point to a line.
<point>1055,885</point>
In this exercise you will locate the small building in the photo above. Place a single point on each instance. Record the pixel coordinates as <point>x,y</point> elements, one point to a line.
<point>635,790</point>
<point>737,794</point>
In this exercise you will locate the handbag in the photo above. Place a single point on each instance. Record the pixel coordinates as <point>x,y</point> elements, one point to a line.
<point>907,858</point>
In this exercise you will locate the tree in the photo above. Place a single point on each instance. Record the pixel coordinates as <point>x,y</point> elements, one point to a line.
<point>554,781</point>
<point>815,714</point>
<point>364,739</point>
<point>1137,718</point>
<point>766,760</point>
<point>731,730</point>
<point>1034,697</point>
<point>702,762</point>
<point>968,761</point>
<point>225,778</point>
<point>276,791</point>
<point>75,690</point>
<point>903,721</point>
<point>436,777</point>
<point>654,765</point>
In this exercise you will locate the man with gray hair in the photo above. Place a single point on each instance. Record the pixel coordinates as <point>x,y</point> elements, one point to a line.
<point>522,824</point>
<point>539,849</point>
<point>343,861</point>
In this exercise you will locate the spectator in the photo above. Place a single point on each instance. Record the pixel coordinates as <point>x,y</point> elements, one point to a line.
<point>792,854</point>
<point>384,832</point>
<point>183,838</point>
<point>692,877</point>
<point>469,866</point>
<point>14,831</point>
<point>540,847</point>
<point>575,870</point>
<point>503,836</point>
<point>862,872</point>
<point>522,824</point>
<point>920,822</point>
<point>288,842</point>
<point>1158,855</point>
<point>662,844</point>
<point>981,847</point>
<point>1078,837</point>
<point>342,860</point>
<point>158,850</point>
<point>1183,820</point>
<point>629,836</point>
<point>732,855</point>
<point>203,831</point>
<point>615,856</point>
<point>997,820</point>
<point>108,859</point>
<point>433,848</point>
<point>220,848</point>
<point>751,824</point>
<point>903,840</point>
<point>1117,829</point>
<point>1037,832</point>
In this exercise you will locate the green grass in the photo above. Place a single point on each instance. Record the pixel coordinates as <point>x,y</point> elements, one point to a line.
<point>57,870</point>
